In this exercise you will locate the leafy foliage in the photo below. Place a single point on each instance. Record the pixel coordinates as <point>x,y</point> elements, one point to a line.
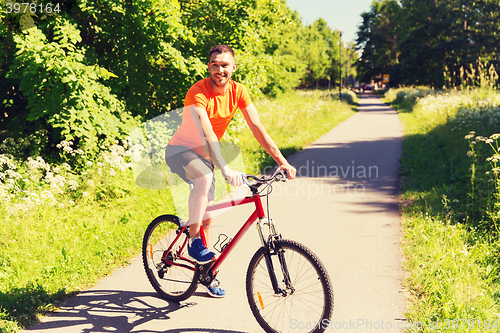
<point>62,92</point>
<point>147,46</point>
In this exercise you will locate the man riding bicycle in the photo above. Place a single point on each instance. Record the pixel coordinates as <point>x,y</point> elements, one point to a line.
<point>194,149</point>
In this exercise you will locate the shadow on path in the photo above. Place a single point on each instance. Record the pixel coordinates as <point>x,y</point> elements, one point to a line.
<point>116,311</point>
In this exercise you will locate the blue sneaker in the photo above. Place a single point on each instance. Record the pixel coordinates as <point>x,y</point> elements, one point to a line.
<point>214,290</point>
<point>199,252</point>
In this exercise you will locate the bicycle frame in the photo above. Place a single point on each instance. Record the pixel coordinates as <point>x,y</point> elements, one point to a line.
<point>258,213</point>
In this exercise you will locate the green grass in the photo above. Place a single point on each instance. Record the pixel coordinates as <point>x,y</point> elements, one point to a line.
<point>52,250</point>
<point>450,245</point>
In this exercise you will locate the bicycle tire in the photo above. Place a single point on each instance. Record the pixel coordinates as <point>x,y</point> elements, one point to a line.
<point>308,308</point>
<point>173,283</point>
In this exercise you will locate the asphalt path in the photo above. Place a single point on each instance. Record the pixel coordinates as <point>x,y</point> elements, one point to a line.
<point>343,206</point>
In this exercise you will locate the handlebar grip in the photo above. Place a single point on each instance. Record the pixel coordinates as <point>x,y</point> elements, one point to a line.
<point>282,175</point>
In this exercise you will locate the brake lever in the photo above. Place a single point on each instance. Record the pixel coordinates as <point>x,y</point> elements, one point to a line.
<point>281,175</point>
<point>245,180</point>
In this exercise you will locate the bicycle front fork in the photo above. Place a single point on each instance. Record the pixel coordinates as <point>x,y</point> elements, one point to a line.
<point>269,250</point>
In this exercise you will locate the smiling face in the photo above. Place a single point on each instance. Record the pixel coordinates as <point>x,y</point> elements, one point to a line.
<point>221,67</point>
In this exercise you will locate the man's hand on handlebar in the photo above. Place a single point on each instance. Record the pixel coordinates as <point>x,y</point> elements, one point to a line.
<point>233,177</point>
<point>236,178</point>
<point>290,170</point>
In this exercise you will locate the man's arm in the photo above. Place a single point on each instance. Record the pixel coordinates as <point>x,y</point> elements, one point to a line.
<point>260,134</point>
<point>200,117</point>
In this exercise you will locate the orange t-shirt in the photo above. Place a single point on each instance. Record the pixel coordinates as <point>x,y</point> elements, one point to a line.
<point>220,110</point>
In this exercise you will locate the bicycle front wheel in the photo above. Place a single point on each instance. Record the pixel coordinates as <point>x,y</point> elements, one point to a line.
<point>164,251</point>
<point>306,301</point>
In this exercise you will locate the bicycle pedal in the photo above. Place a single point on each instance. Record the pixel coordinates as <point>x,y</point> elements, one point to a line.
<point>204,268</point>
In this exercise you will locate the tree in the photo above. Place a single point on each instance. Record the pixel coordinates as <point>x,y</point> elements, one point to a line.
<point>378,39</point>
<point>417,41</point>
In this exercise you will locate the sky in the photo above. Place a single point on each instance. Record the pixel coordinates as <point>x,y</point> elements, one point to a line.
<point>343,15</point>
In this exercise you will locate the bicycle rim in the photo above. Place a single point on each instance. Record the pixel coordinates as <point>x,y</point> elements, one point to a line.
<point>172,282</point>
<point>308,305</point>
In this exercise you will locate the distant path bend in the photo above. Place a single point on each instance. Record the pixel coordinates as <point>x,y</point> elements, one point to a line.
<point>343,206</point>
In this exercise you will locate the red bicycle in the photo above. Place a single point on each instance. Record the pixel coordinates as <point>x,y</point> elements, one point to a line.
<point>288,288</point>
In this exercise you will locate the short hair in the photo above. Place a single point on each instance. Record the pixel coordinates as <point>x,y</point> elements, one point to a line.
<point>220,49</point>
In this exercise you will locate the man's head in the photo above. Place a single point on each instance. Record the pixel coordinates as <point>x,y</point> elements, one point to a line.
<point>221,66</point>
<point>220,49</point>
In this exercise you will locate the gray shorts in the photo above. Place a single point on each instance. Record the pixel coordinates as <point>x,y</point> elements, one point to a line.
<point>177,157</point>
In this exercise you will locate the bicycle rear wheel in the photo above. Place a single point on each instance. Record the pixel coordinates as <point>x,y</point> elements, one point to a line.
<point>163,249</point>
<point>306,304</point>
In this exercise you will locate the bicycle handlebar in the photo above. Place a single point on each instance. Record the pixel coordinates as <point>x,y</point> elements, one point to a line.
<point>278,175</point>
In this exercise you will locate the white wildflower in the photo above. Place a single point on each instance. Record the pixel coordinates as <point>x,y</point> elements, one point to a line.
<point>12,174</point>
<point>56,182</point>
<point>38,163</point>
<point>73,185</point>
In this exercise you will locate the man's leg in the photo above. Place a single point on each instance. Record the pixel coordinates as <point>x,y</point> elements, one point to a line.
<point>207,220</point>
<point>201,177</point>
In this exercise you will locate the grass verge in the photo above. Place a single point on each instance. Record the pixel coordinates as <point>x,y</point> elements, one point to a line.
<point>450,244</point>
